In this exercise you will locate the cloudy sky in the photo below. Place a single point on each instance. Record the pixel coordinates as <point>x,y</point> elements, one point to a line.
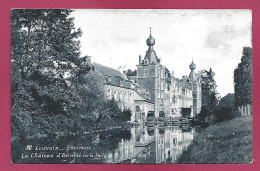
<point>213,38</point>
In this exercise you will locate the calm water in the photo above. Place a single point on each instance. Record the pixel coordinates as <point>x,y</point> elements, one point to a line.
<point>140,144</point>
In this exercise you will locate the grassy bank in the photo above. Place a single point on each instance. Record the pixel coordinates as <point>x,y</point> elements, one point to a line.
<point>225,142</point>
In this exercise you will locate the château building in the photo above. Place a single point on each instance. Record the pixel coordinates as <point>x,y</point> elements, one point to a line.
<point>172,96</point>
<point>151,75</point>
<point>153,88</point>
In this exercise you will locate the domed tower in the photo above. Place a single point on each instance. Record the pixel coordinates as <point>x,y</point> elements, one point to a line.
<point>151,75</point>
<point>150,41</point>
<point>151,57</point>
<point>196,89</point>
<point>192,76</point>
<point>192,66</point>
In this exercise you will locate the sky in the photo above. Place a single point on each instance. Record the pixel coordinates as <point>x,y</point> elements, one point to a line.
<point>212,38</point>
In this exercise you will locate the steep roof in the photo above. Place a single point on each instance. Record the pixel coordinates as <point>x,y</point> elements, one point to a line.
<point>107,71</point>
<point>151,56</point>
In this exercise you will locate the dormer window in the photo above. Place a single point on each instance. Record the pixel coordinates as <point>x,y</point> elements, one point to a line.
<point>145,62</point>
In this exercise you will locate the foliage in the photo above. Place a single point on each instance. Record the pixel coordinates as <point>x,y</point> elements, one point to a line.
<point>224,113</point>
<point>117,114</point>
<point>44,50</point>
<point>129,72</point>
<point>204,112</point>
<point>53,87</point>
<point>210,96</point>
<point>243,79</point>
<point>227,101</point>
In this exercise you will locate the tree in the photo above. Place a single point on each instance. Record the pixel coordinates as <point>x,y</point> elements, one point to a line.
<point>53,88</point>
<point>210,96</point>
<point>243,79</point>
<point>227,101</point>
<point>129,72</point>
<point>224,113</point>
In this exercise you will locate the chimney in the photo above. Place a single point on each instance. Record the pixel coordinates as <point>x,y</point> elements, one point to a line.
<point>140,59</point>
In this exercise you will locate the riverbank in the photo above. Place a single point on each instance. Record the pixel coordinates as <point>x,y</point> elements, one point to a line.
<point>225,142</point>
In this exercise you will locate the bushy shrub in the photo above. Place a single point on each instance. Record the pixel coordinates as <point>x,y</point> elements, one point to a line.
<point>204,113</point>
<point>224,113</point>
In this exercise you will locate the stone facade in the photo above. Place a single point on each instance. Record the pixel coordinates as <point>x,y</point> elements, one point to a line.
<point>153,88</point>
<point>175,97</point>
<point>127,94</point>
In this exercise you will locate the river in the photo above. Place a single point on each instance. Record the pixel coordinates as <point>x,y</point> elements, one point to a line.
<point>139,144</point>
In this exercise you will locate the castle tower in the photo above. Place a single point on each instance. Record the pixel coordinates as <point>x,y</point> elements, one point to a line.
<point>195,85</point>
<point>151,75</point>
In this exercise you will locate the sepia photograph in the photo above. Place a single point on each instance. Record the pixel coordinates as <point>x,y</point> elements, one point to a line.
<point>131,86</point>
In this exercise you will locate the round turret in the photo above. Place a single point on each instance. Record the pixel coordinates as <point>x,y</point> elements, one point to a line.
<point>192,65</point>
<point>150,41</point>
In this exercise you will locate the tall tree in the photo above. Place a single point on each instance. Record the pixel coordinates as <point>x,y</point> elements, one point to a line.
<point>210,96</point>
<point>52,86</point>
<point>243,79</point>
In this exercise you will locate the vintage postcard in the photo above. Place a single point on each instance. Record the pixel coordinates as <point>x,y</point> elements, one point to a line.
<point>131,86</point>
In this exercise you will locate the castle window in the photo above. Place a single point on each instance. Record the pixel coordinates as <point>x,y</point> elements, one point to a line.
<point>131,97</point>
<point>174,141</point>
<point>162,73</point>
<point>137,108</point>
<point>121,96</point>
<point>126,97</point>
<point>161,85</point>
<point>161,95</point>
<point>146,72</point>
<point>109,93</point>
<point>168,87</point>
<point>115,94</point>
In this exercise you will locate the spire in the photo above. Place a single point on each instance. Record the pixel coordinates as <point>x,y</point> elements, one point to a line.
<point>151,56</point>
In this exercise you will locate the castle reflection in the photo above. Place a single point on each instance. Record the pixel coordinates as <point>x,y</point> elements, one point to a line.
<point>152,145</point>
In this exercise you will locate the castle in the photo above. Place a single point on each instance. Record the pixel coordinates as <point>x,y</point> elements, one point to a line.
<point>153,88</point>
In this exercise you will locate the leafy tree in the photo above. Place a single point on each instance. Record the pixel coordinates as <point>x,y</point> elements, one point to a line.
<point>227,101</point>
<point>203,114</point>
<point>210,96</point>
<point>53,88</point>
<point>129,72</point>
<point>243,79</point>
<point>224,113</point>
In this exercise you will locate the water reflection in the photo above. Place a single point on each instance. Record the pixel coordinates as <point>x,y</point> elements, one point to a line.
<point>152,145</point>
<point>157,144</point>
